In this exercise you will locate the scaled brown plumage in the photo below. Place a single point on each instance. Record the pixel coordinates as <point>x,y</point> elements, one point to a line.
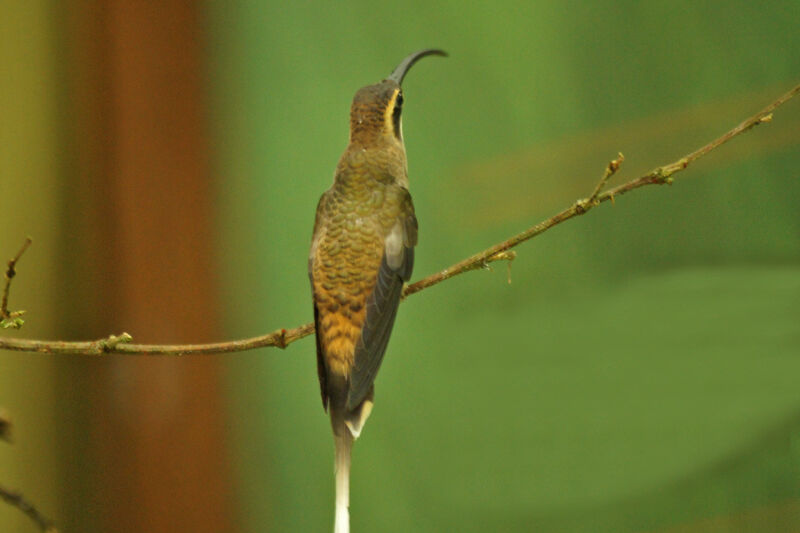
<point>362,252</point>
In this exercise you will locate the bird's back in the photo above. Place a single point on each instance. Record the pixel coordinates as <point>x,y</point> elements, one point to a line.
<point>354,218</point>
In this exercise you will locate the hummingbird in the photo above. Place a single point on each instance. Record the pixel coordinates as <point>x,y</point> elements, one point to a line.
<point>362,251</point>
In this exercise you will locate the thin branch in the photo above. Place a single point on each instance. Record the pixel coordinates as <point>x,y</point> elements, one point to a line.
<point>120,344</point>
<point>17,500</point>
<point>659,176</point>
<point>611,169</point>
<point>501,251</point>
<point>12,319</point>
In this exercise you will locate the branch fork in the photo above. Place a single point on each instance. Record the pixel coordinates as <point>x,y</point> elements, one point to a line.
<point>582,206</point>
<point>12,319</point>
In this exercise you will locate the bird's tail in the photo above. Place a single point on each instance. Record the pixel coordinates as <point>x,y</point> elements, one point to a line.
<point>343,441</point>
<point>347,425</point>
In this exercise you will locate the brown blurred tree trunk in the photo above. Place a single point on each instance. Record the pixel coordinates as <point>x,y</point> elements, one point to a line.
<point>145,446</point>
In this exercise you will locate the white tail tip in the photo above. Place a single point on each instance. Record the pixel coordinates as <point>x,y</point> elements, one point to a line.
<point>343,443</point>
<point>356,424</point>
<point>342,524</point>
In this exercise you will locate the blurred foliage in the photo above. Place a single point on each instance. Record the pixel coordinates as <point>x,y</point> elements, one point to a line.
<point>640,372</point>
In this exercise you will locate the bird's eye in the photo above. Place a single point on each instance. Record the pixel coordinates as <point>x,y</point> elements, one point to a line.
<point>398,107</point>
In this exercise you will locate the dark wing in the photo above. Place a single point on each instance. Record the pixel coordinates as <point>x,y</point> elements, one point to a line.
<point>323,379</point>
<point>382,303</point>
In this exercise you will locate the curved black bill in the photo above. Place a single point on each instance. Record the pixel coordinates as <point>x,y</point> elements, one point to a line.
<point>400,72</point>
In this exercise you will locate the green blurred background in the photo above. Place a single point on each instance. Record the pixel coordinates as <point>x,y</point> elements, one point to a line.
<point>640,373</point>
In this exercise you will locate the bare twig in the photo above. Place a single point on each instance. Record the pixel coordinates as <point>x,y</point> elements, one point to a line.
<point>12,319</point>
<point>658,176</point>
<point>119,344</point>
<point>611,169</point>
<point>17,500</point>
<point>283,337</point>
